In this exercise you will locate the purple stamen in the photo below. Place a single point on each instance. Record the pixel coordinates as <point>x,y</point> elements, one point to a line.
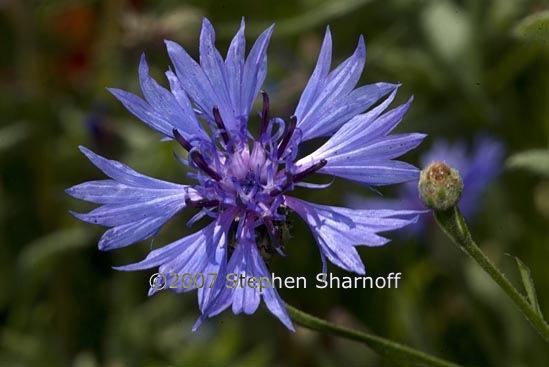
<point>220,124</point>
<point>201,203</point>
<point>264,113</point>
<point>287,137</point>
<point>181,140</point>
<point>315,167</point>
<point>287,184</point>
<point>198,159</point>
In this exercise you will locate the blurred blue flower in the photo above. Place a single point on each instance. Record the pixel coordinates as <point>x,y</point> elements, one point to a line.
<point>478,168</point>
<point>242,181</point>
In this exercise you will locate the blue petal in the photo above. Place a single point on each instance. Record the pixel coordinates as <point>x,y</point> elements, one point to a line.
<point>387,122</point>
<point>136,206</point>
<point>132,232</point>
<point>356,102</point>
<point>142,111</point>
<point>313,87</point>
<point>123,174</point>
<point>160,110</point>
<point>192,78</point>
<point>485,164</point>
<point>215,70</point>
<point>126,212</point>
<point>408,199</point>
<point>232,85</point>
<point>244,299</point>
<point>181,97</point>
<point>338,230</point>
<point>182,249</point>
<point>270,296</point>
<point>338,82</point>
<point>111,191</point>
<point>235,66</point>
<point>255,70</point>
<point>328,100</point>
<point>362,128</point>
<point>375,173</point>
<point>386,147</point>
<point>246,261</point>
<point>203,252</point>
<point>362,151</point>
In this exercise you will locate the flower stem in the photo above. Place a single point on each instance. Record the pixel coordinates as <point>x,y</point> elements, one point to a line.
<point>384,347</point>
<point>452,223</point>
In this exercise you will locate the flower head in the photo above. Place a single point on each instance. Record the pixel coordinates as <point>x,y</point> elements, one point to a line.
<point>440,186</point>
<point>242,181</point>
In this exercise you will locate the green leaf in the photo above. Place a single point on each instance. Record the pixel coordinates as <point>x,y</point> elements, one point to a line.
<point>12,135</point>
<point>314,17</point>
<point>528,285</point>
<point>534,28</point>
<point>54,244</point>
<point>448,28</point>
<point>536,160</point>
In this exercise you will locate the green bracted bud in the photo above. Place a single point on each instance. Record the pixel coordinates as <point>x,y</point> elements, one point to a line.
<point>440,186</point>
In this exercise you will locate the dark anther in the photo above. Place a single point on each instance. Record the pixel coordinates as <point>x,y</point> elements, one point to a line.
<point>201,163</point>
<point>181,140</point>
<point>288,183</point>
<point>264,113</point>
<point>196,156</point>
<point>287,137</point>
<point>220,124</point>
<point>315,167</point>
<point>202,203</point>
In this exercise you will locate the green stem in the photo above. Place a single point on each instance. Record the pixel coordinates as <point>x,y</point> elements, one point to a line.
<point>452,223</point>
<point>384,347</point>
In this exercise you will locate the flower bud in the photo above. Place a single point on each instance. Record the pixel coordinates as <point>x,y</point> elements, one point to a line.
<point>440,186</point>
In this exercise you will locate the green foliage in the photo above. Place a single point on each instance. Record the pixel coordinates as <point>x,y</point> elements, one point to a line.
<point>534,28</point>
<point>11,135</point>
<point>536,160</point>
<point>528,285</point>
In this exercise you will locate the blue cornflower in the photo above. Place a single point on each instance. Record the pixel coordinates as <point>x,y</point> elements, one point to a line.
<point>241,181</point>
<point>478,166</point>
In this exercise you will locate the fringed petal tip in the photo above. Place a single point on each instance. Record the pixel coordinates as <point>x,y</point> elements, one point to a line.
<point>198,322</point>
<point>82,216</point>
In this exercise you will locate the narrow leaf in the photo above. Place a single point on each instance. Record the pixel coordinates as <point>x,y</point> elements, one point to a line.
<point>11,135</point>
<point>536,160</point>
<point>528,285</point>
<point>534,28</point>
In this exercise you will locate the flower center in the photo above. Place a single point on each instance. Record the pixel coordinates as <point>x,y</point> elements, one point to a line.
<point>247,183</point>
<point>241,171</point>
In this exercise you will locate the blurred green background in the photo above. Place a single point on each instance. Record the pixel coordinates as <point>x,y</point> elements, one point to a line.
<point>473,66</point>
